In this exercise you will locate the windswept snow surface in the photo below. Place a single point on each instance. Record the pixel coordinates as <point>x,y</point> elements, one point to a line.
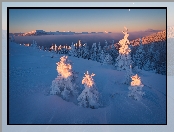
<point>31,72</point>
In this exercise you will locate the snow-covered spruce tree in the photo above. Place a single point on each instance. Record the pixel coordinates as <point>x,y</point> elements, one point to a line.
<point>37,47</point>
<point>59,49</point>
<point>138,58</point>
<point>34,45</point>
<point>42,48</point>
<point>107,59</point>
<point>113,52</point>
<point>147,66</point>
<point>136,88</point>
<point>99,52</point>
<point>66,50</point>
<point>93,52</point>
<point>55,48</point>
<point>105,48</point>
<point>113,42</point>
<point>79,50</point>
<point>149,62</point>
<point>102,57</point>
<point>64,84</point>
<point>89,98</point>
<point>160,58</point>
<point>123,61</point>
<point>63,50</point>
<point>85,54</point>
<point>72,51</point>
<point>99,47</point>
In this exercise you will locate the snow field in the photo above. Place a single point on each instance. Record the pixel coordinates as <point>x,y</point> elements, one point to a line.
<point>33,70</point>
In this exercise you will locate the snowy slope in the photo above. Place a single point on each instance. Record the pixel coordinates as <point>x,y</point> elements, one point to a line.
<point>32,72</point>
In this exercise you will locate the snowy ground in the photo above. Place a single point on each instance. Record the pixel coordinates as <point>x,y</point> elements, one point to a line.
<point>32,72</point>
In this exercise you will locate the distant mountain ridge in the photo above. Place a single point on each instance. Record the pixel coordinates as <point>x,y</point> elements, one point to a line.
<point>155,37</point>
<point>152,30</point>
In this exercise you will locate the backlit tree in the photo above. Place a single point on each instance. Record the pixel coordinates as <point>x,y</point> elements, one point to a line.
<point>64,84</point>
<point>123,60</point>
<point>89,98</point>
<point>136,88</point>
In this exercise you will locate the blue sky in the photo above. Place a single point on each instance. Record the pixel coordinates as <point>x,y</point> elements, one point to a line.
<point>89,20</point>
<point>169,5</point>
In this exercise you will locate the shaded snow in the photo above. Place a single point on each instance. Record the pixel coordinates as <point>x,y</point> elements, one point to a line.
<point>32,72</point>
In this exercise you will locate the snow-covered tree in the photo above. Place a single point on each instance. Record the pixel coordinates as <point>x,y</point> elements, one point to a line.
<point>107,59</point>
<point>93,52</point>
<point>99,52</point>
<point>42,48</point>
<point>64,84</point>
<point>102,57</point>
<point>34,45</point>
<point>105,48</point>
<point>136,88</point>
<point>63,50</point>
<point>148,66</point>
<point>72,51</point>
<point>123,61</point>
<point>59,49</point>
<point>66,49</point>
<point>79,52</point>
<point>138,58</point>
<point>113,51</point>
<point>89,98</point>
<point>149,61</point>
<point>99,47</point>
<point>85,54</point>
<point>46,48</point>
<point>79,49</point>
<point>160,58</point>
<point>112,41</point>
<point>55,48</point>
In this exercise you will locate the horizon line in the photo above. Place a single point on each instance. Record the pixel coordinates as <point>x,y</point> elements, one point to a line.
<point>105,32</point>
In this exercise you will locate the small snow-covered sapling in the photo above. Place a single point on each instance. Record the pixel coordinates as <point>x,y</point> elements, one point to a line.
<point>136,88</point>
<point>89,98</point>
